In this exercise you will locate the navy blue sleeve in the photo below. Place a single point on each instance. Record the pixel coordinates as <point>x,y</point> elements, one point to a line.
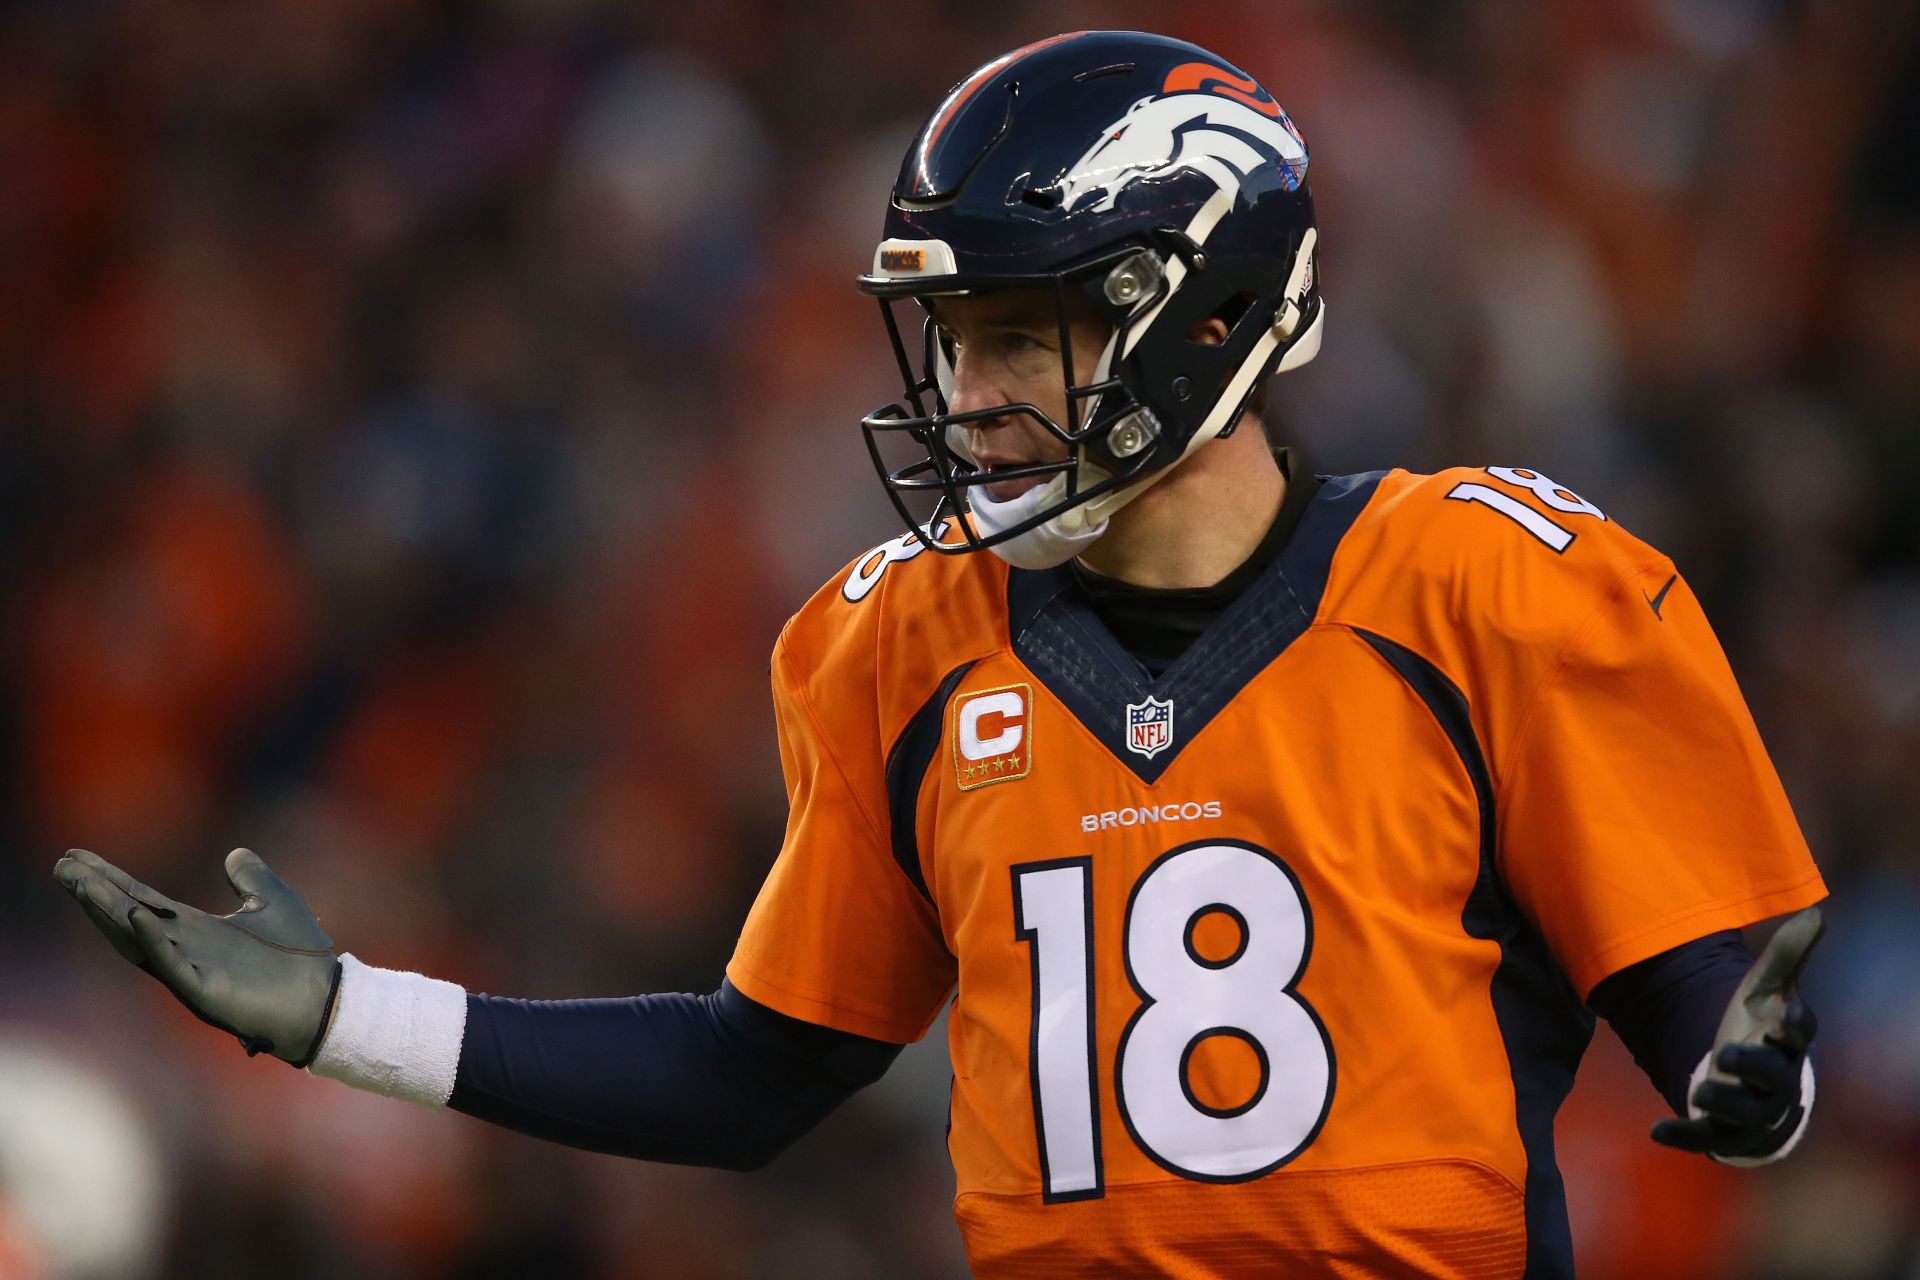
<point>711,1080</point>
<point>1666,1009</point>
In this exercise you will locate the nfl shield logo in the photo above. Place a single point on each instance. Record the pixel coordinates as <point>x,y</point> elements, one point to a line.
<point>1149,726</point>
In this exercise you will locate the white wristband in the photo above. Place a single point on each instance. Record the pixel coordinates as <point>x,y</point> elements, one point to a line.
<point>1793,1139</point>
<point>394,1033</point>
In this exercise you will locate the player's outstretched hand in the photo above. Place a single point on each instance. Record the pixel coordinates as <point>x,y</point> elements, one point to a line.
<point>1747,1105</point>
<point>267,973</point>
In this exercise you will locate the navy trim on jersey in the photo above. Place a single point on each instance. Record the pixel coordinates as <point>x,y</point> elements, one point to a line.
<point>1543,1024</point>
<point>1058,636</point>
<point>1309,554</point>
<point>907,763</point>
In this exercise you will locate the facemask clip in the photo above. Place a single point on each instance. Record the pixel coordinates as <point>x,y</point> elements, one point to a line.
<point>1139,276</point>
<point>1133,433</point>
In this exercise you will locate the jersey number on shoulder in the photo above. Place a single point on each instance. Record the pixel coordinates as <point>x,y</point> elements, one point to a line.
<point>1558,497</point>
<point>866,571</point>
<point>1186,999</point>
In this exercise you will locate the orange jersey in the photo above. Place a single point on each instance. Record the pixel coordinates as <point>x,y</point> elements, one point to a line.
<point>1272,965</point>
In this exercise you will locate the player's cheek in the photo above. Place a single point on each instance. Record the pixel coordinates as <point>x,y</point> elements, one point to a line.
<point>1042,385</point>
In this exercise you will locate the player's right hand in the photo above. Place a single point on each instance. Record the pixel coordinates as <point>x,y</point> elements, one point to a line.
<point>267,973</point>
<point>1748,1102</point>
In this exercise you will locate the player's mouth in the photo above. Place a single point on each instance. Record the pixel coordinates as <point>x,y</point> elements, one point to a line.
<point>1014,485</point>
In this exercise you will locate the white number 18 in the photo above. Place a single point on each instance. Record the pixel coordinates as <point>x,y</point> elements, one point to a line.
<point>1185,999</point>
<point>1557,496</point>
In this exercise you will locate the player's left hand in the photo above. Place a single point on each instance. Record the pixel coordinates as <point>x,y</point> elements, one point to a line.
<point>1748,1104</point>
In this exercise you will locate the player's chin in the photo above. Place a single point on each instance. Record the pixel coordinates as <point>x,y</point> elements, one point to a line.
<point>1006,490</point>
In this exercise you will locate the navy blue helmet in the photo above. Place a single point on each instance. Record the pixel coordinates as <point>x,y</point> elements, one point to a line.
<point>1160,182</point>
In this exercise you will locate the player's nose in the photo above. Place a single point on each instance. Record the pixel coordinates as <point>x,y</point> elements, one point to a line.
<point>983,431</point>
<point>970,397</point>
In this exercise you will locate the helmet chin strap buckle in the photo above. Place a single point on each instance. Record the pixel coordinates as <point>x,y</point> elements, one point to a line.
<point>1287,320</point>
<point>1307,345</point>
<point>1299,281</point>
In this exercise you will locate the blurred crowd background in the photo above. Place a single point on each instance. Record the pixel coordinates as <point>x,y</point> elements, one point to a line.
<point>416,420</point>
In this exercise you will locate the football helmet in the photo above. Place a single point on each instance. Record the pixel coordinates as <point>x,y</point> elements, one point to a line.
<point>1156,179</point>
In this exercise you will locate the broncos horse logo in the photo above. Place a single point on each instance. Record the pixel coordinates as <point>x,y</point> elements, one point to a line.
<point>1206,119</point>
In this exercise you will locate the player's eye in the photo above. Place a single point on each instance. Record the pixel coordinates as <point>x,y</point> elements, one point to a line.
<point>1024,344</point>
<point>1026,354</point>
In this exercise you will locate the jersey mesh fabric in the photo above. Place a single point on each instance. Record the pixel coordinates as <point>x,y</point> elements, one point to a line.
<point>1422,1219</point>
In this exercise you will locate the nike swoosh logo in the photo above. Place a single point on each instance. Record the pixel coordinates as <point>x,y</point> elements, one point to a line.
<point>1657,601</point>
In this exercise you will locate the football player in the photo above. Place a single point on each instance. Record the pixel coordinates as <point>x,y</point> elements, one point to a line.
<point>1280,834</point>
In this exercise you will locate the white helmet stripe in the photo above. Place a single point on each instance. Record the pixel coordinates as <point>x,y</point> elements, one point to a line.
<point>1197,231</point>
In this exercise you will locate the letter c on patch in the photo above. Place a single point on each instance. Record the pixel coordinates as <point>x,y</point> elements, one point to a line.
<point>992,725</point>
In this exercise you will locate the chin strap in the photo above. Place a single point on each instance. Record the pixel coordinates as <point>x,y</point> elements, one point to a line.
<point>1053,543</point>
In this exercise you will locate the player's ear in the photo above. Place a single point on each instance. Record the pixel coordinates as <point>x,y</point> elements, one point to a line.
<point>1212,331</point>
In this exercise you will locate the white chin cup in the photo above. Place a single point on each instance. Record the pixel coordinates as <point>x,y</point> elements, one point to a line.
<point>1044,546</point>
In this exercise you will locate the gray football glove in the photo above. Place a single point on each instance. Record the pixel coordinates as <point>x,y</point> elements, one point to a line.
<point>1748,1104</point>
<point>267,973</point>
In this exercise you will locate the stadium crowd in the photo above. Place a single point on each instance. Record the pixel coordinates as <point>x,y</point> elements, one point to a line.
<point>416,421</point>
